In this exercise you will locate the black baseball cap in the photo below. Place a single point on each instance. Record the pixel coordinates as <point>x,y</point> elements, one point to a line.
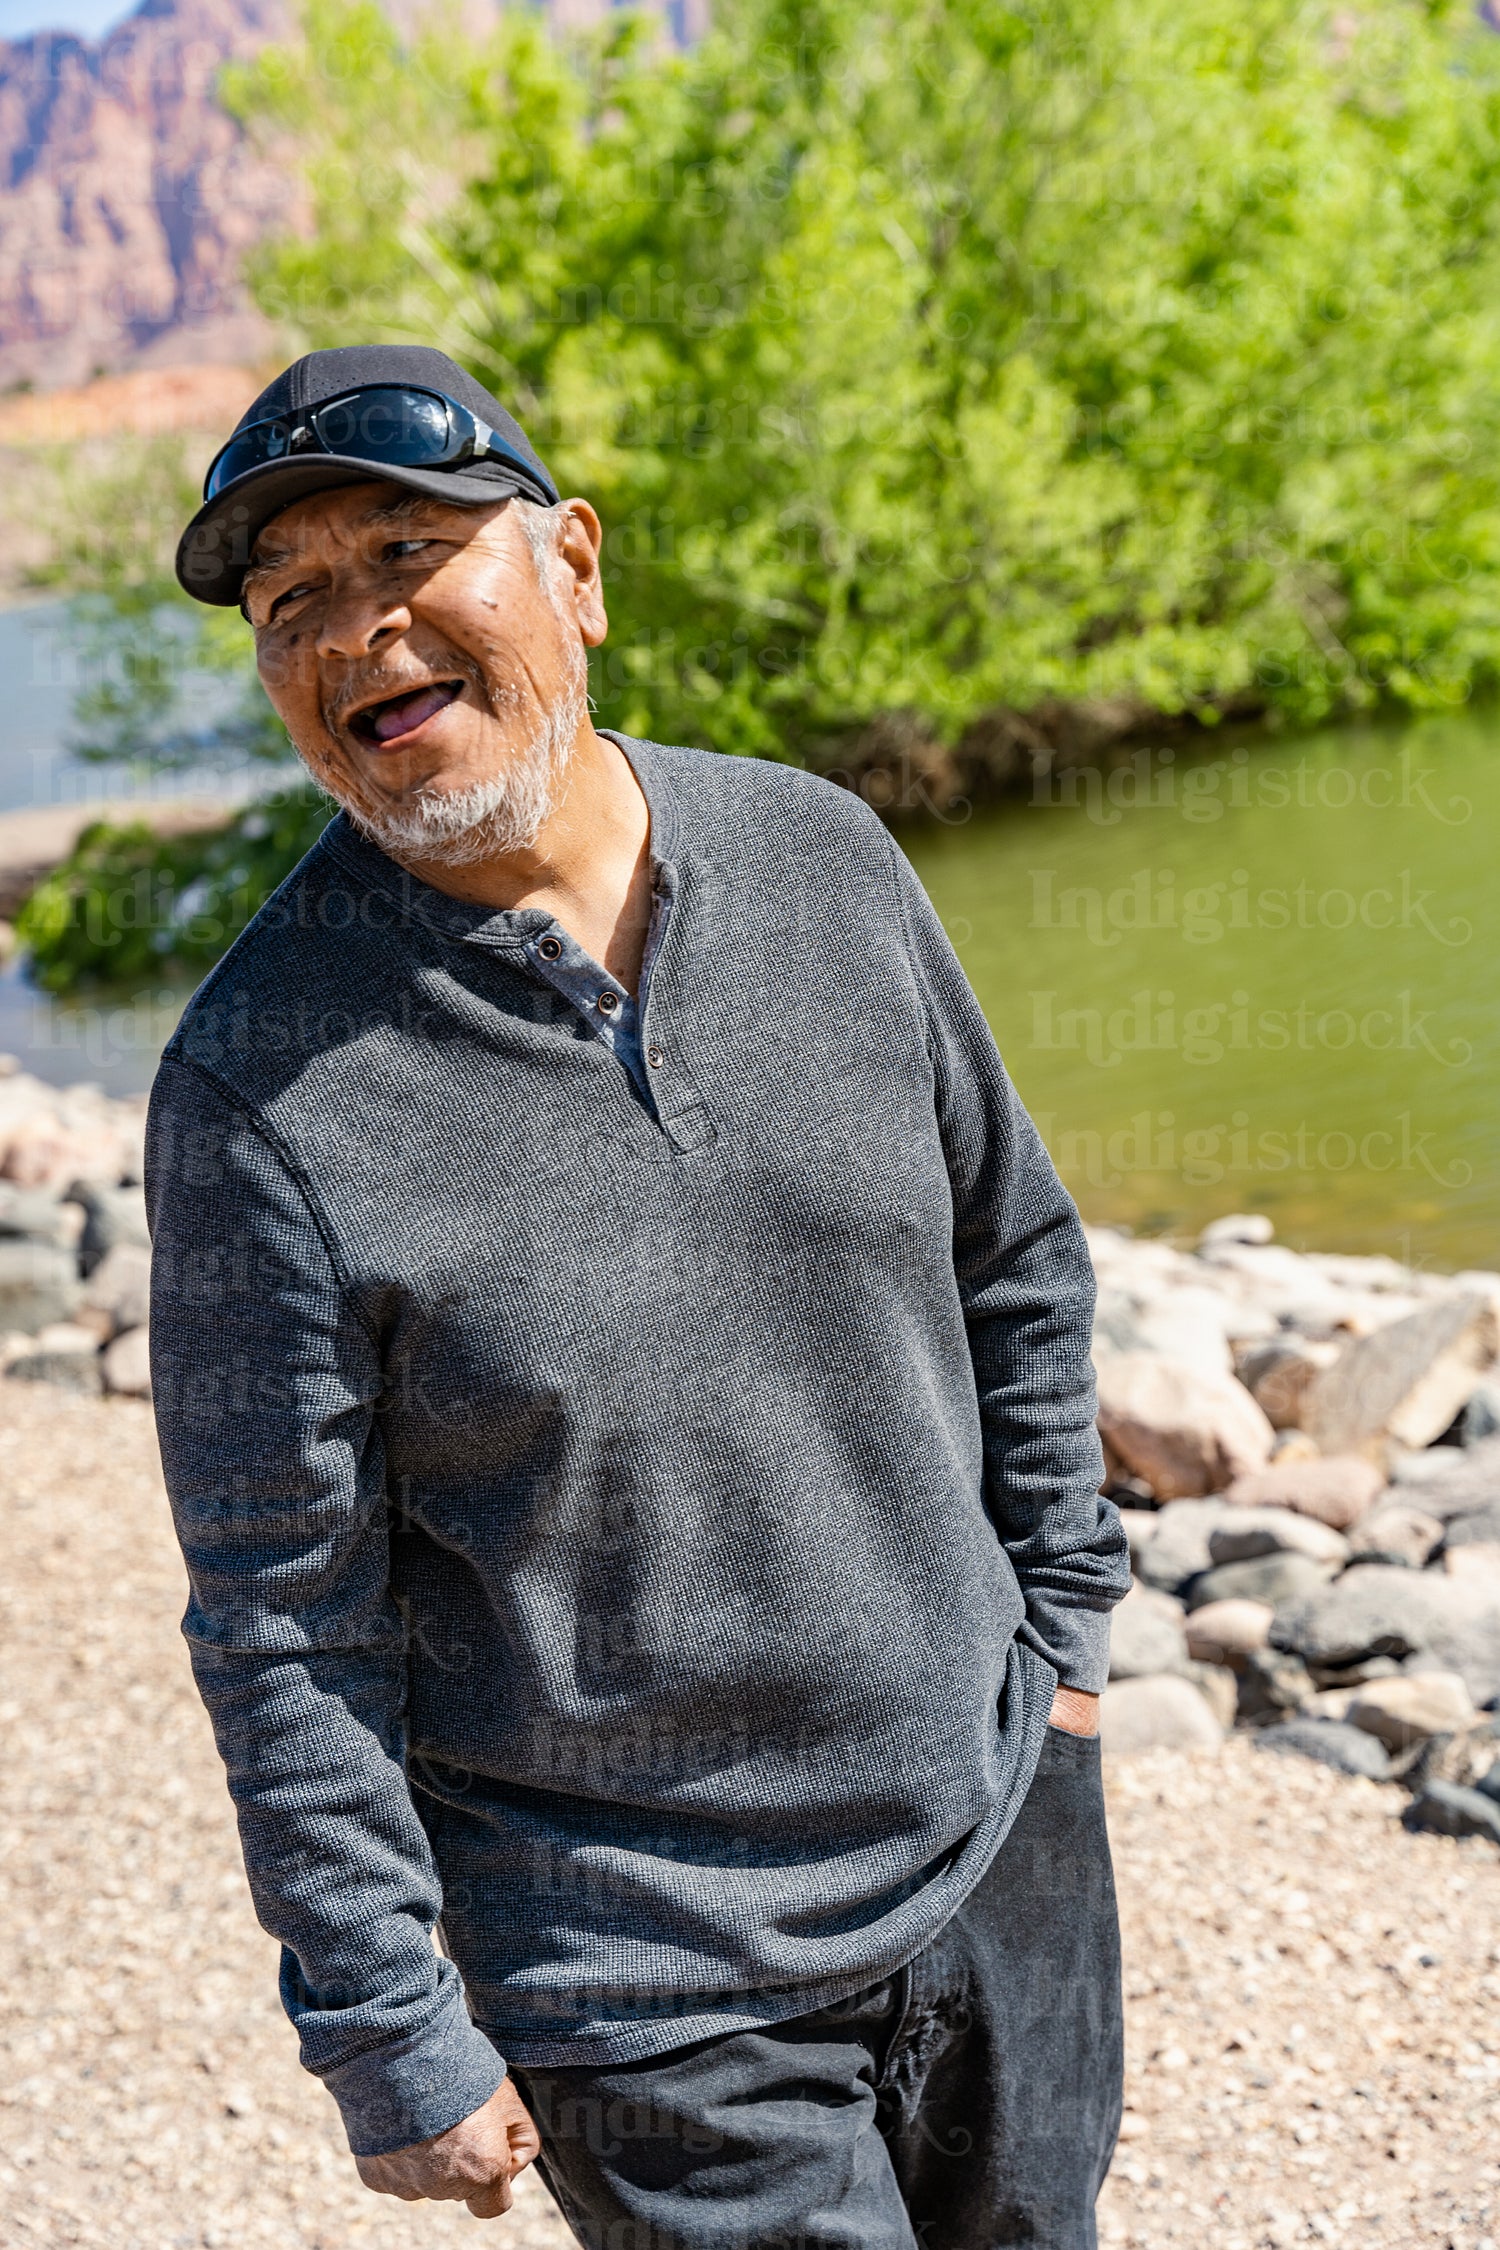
<point>214,552</point>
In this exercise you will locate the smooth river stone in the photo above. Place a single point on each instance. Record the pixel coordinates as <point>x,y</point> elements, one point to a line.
<point>1272,1579</point>
<point>1337,1491</point>
<point>1412,1706</point>
<point>1185,1432</point>
<point>1221,1631</point>
<point>1161,1713</point>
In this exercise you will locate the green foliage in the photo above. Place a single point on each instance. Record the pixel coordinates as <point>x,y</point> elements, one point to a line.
<point>129,903</point>
<point>947,355</point>
<point>116,510</point>
<point>943,359</point>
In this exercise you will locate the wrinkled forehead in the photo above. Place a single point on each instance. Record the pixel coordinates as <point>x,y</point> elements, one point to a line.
<point>349,515</point>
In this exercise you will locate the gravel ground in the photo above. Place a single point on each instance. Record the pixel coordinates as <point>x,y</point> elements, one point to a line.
<point>1314,2035</point>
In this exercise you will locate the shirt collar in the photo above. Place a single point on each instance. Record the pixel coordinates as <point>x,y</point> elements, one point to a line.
<point>505,928</point>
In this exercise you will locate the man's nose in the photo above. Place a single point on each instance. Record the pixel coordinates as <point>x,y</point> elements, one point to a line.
<point>360,618</point>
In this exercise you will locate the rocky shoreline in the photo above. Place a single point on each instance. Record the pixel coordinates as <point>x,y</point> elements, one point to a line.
<point>1306,1452</point>
<point>75,1258</point>
<point>1305,1449</point>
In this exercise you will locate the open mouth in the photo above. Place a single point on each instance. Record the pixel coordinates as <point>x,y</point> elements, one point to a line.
<point>381,724</point>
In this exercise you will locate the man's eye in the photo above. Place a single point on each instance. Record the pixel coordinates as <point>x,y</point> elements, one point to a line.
<point>285,599</point>
<point>402,550</point>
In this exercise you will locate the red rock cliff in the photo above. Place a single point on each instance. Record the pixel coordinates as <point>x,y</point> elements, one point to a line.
<point>128,197</point>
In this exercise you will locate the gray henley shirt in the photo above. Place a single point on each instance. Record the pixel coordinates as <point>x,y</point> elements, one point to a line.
<point>635,1520</point>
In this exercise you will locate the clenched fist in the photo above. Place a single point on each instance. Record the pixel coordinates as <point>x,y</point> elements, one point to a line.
<point>474,2162</point>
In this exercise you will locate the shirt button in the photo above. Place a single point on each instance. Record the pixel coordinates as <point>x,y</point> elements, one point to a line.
<point>609,1001</point>
<point>550,948</point>
<point>653,1057</point>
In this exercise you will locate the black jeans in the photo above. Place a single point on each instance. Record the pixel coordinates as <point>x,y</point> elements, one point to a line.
<point>970,2102</point>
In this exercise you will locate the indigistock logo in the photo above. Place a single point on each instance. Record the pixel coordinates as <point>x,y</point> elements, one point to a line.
<point>1204,913</point>
<point>1204,792</point>
<point>1152,1022</point>
<point>1152,1142</point>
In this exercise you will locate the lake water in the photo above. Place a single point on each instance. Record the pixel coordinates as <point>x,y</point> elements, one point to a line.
<point>41,673</point>
<point>1259,978</point>
<point>1263,980</point>
<point>115,1046</point>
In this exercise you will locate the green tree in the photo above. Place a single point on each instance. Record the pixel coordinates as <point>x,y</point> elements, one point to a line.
<point>955,379</point>
<point>947,357</point>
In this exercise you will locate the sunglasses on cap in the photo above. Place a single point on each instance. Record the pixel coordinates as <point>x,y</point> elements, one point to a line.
<point>387,424</point>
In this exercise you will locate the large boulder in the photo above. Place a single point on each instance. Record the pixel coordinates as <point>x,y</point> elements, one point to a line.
<point>1186,1324</point>
<point>46,1149</point>
<point>1337,1491</point>
<point>1379,1609</point>
<point>1477,1563</point>
<point>1405,1383</point>
<point>1140,1526</point>
<point>1218,1686</point>
<point>1145,1635</point>
<point>66,1370</point>
<point>1273,1685</point>
<point>1479,1528</point>
<point>1447,1809</point>
<point>119,1288</point>
<point>1449,1481</point>
<point>38,1285</point>
<point>1289,1287</point>
<point>32,1215</point>
<point>59,1336</point>
<point>1279,1373</point>
<point>52,1134</point>
<point>1184,1431</point>
<point>126,1364</point>
<point>1163,1713</point>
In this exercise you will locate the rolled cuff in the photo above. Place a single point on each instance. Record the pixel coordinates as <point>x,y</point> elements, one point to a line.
<point>1074,1641</point>
<point>391,2096</point>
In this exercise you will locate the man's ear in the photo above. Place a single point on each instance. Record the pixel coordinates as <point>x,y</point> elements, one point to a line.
<point>579,544</point>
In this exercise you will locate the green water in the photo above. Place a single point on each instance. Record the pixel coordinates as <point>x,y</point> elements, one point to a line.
<point>1263,981</point>
<point>1259,980</point>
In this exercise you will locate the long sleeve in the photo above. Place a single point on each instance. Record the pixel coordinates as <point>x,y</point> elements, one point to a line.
<point>1027,1287</point>
<point>265,1380</point>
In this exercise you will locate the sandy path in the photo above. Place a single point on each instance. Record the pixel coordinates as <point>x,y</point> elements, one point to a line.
<point>1315,2035</point>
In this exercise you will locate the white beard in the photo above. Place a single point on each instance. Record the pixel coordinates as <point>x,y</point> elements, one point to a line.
<point>460,827</point>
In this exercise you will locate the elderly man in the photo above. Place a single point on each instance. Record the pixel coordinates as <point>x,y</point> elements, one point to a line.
<point>621,1358</point>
